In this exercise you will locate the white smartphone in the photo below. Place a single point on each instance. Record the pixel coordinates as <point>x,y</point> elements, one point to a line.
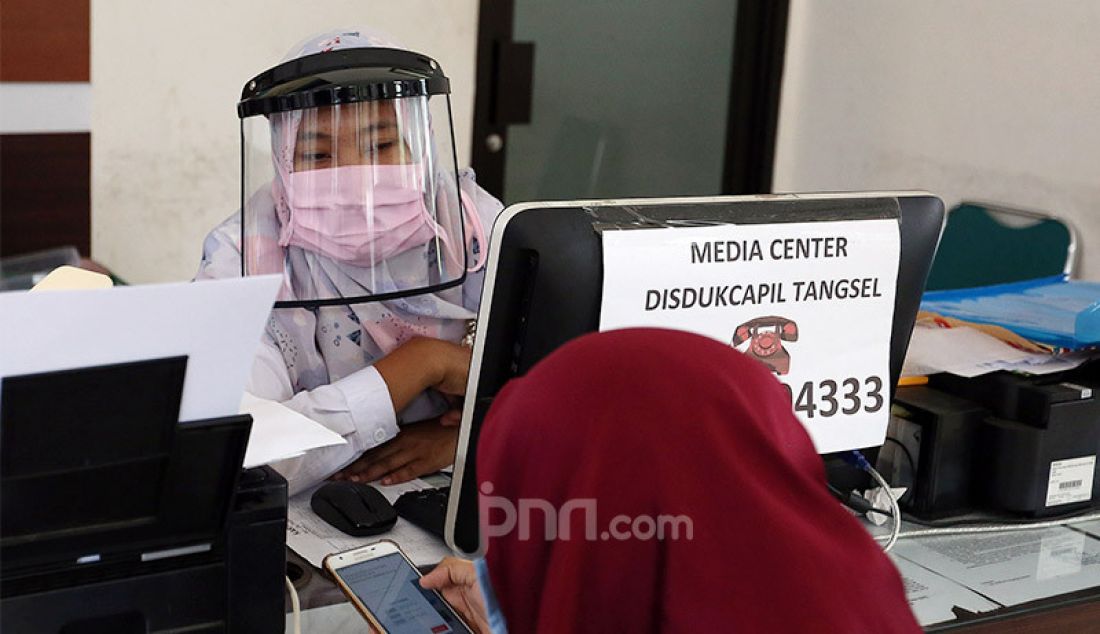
<point>385,587</point>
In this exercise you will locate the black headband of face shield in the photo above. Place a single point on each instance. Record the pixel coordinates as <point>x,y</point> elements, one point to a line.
<point>342,76</point>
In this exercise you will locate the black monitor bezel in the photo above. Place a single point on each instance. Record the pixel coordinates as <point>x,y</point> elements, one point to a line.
<point>508,299</point>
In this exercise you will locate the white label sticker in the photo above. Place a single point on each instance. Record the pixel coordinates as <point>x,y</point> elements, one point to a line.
<point>812,301</point>
<point>1070,481</point>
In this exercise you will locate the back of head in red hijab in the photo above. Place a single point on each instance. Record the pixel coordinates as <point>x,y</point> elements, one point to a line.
<point>648,423</point>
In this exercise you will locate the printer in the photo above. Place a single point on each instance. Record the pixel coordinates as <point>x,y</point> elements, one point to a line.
<point>116,517</point>
<point>1002,442</point>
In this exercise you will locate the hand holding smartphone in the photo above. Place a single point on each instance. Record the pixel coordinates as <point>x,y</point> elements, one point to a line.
<point>385,587</point>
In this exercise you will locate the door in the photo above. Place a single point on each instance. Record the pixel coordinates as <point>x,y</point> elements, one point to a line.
<point>626,98</point>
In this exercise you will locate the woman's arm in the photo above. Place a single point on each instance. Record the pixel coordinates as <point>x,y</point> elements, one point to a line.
<point>362,408</point>
<point>357,407</point>
<point>423,447</point>
<point>423,363</point>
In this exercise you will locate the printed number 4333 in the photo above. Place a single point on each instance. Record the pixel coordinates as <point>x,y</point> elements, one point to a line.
<point>843,396</point>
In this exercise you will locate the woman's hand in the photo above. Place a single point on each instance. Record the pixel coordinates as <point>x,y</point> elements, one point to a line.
<point>453,367</point>
<point>451,418</point>
<point>418,449</point>
<point>423,363</point>
<point>456,580</point>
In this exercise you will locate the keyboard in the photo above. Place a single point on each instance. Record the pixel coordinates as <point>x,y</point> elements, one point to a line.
<point>426,508</point>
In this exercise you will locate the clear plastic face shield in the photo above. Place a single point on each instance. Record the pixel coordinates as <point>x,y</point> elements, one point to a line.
<point>350,186</point>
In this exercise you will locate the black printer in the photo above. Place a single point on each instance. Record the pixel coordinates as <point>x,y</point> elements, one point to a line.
<point>115,517</point>
<point>1001,442</point>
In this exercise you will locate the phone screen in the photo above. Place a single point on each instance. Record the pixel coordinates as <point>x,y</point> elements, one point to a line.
<point>390,588</point>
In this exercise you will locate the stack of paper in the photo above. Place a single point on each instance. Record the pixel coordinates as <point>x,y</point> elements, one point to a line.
<point>968,352</point>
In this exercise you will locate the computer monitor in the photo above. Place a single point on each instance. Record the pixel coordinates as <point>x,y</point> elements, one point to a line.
<point>543,287</point>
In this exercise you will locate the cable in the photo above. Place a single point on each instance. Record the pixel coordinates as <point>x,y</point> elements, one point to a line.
<point>905,451</point>
<point>295,606</point>
<point>858,459</point>
<point>996,528</point>
<point>909,459</point>
<point>998,519</point>
<point>945,527</point>
<point>895,511</point>
<point>856,502</point>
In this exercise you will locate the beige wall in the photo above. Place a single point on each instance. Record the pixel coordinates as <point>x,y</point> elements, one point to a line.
<point>983,99</point>
<point>166,76</point>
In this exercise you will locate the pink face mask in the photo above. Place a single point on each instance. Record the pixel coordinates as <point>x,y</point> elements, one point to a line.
<point>360,214</point>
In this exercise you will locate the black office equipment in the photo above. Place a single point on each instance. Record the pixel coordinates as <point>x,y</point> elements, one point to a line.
<point>426,508</point>
<point>1040,444</point>
<point>115,517</point>
<point>543,288</point>
<point>933,441</point>
<point>356,509</point>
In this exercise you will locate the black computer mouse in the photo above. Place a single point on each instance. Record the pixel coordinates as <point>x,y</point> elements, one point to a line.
<point>357,509</point>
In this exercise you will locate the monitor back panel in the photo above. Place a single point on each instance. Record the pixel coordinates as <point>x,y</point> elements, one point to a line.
<point>546,277</point>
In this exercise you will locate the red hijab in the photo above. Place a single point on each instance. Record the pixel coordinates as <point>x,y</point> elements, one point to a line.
<point>664,423</point>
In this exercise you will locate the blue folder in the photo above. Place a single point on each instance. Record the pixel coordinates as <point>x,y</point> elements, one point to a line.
<point>1051,310</point>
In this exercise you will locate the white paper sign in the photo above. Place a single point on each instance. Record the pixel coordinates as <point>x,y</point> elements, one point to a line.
<point>813,301</point>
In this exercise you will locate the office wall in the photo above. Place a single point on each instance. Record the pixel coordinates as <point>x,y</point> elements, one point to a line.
<point>166,77</point>
<point>984,99</point>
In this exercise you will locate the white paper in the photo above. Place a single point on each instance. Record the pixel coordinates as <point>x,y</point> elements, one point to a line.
<point>314,539</point>
<point>279,432</point>
<point>838,349</point>
<point>962,351</point>
<point>968,352</point>
<point>1070,481</point>
<point>1042,364</point>
<point>1011,567</point>
<point>217,324</point>
<point>881,501</point>
<point>932,596</point>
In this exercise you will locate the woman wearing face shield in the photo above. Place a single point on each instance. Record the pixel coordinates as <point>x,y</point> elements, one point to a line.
<point>351,193</point>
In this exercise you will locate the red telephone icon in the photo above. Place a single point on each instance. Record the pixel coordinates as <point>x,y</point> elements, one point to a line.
<point>766,336</point>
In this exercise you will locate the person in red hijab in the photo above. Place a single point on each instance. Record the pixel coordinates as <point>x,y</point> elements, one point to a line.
<point>649,425</point>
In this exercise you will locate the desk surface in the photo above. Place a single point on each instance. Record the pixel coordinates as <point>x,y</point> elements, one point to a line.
<point>1025,581</point>
<point>1070,613</point>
